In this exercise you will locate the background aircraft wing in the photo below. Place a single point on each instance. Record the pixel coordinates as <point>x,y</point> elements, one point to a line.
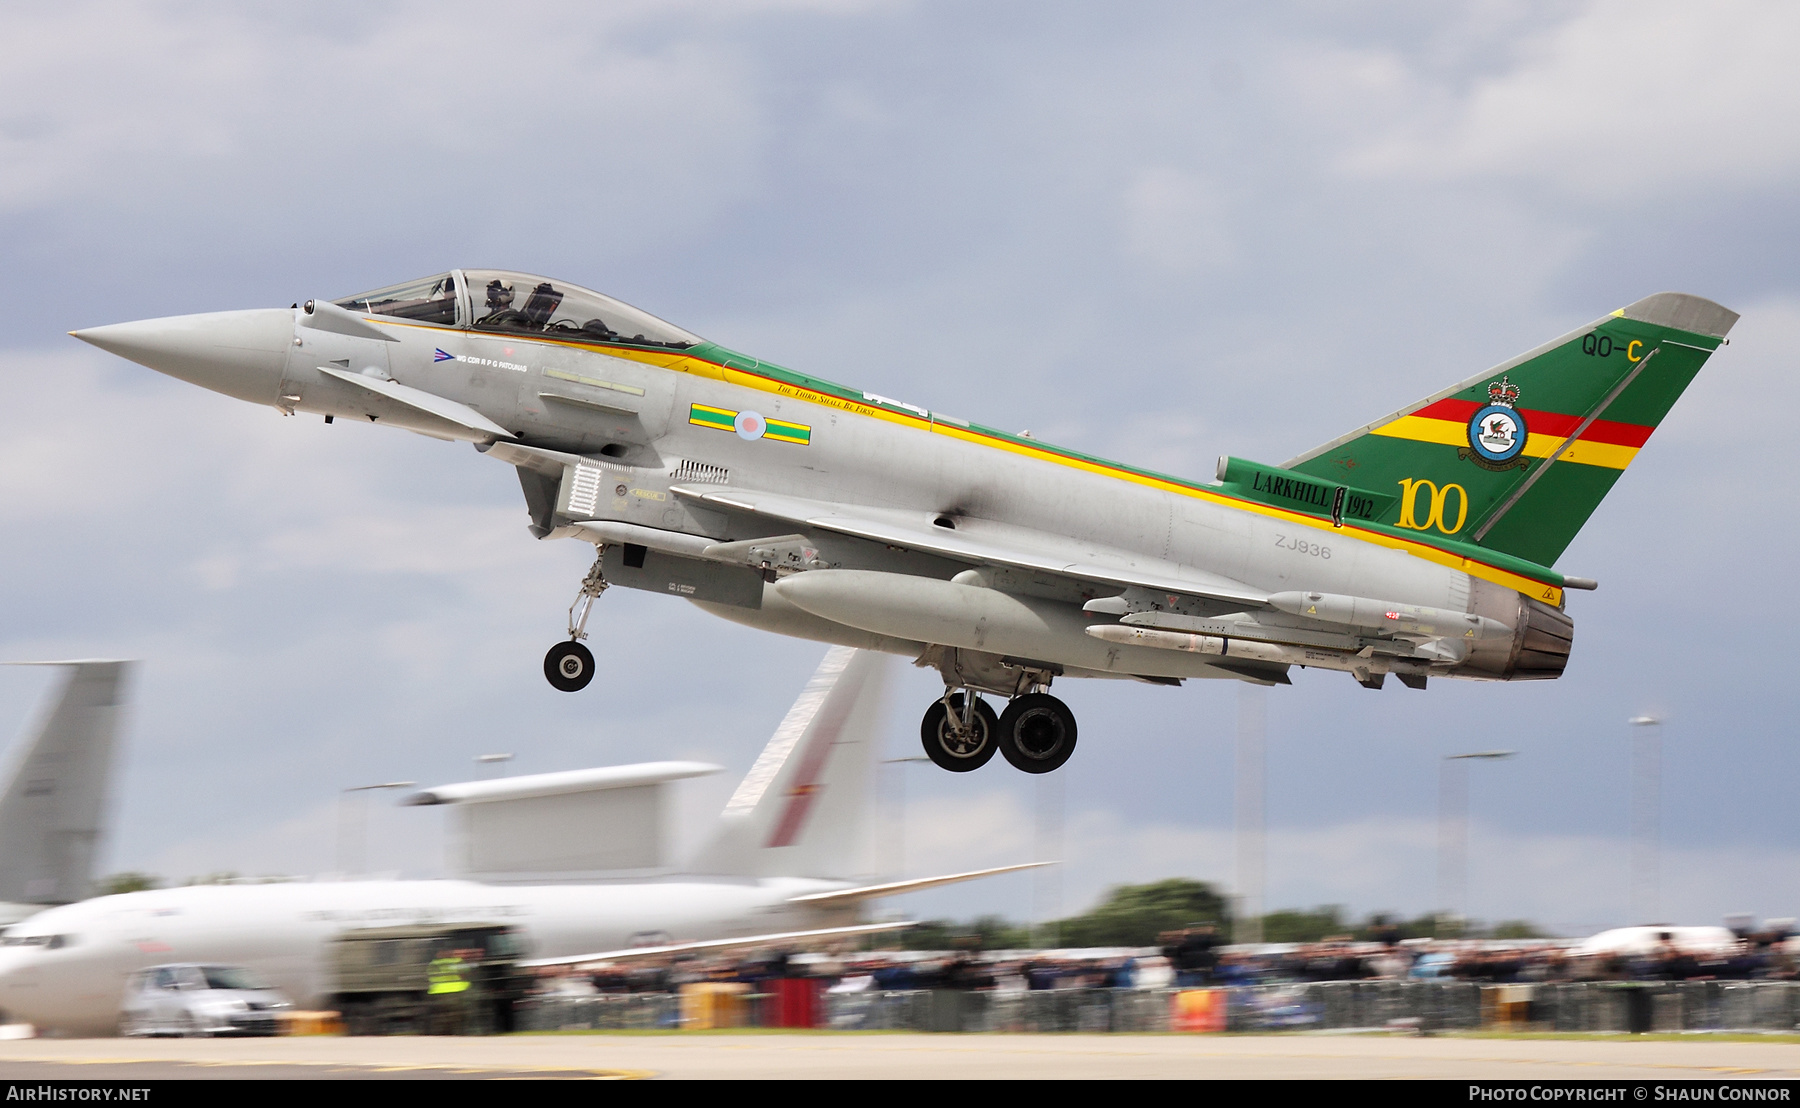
<point>983,542</point>
<point>894,888</point>
<point>774,939</point>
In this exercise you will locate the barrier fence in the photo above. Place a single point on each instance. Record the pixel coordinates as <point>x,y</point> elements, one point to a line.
<point>1425,1006</point>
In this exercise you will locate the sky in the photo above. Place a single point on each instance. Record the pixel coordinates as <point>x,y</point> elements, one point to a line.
<point>1154,232</point>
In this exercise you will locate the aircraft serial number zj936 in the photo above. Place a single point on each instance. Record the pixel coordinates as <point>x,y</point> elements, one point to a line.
<point>1420,544</point>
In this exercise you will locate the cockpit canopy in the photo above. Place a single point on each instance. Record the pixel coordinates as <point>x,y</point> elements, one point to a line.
<point>520,303</point>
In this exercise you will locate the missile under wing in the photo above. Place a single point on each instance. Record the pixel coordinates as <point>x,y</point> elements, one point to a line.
<point>1422,544</point>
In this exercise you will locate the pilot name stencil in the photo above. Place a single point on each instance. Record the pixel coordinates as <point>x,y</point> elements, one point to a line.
<point>444,356</point>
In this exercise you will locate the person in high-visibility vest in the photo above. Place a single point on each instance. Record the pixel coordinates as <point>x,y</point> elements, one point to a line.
<point>446,975</point>
<point>448,990</point>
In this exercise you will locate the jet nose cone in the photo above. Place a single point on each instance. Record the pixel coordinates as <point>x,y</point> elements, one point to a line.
<point>240,354</point>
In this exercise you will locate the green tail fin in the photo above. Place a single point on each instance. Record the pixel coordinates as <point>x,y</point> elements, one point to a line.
<point>1517,458</point>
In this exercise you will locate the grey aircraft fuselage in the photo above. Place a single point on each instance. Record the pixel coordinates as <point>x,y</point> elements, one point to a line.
<point>1002,561</point>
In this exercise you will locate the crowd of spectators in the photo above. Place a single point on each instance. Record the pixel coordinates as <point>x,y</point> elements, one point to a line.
<point>879,971</point>
<point>1198,957</point>
<point>1752,957</point>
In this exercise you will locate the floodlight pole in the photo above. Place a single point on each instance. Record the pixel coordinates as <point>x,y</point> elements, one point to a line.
<point>1046,880</point>
<point>898,871</point>
<point>353,824</point>
<point>1453,831</point>
<point>1252,859</point>
<point>1646,812</point>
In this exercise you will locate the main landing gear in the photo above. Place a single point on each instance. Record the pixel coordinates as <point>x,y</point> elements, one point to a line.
<point>569,666</point>
<point>1036,732</point>
<point>960,732</point>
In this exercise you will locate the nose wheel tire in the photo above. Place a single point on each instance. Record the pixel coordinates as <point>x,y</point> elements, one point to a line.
<point>569,666</point>
<point>1037,733</point>
<point>952,746</point>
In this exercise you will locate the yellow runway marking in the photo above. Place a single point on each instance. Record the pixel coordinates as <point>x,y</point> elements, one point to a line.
<point>363,1067</point>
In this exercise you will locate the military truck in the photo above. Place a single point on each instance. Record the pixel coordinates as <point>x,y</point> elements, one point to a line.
<point>443,979</point>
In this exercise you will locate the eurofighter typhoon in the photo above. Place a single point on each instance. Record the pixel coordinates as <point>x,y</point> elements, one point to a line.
<point>1420,545</point>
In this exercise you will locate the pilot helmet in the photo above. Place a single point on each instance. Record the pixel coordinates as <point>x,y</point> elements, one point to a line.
<point>499,295</point>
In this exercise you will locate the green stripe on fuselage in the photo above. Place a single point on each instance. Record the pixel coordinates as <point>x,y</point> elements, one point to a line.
<point>704,416</point>
<point>783,431</point>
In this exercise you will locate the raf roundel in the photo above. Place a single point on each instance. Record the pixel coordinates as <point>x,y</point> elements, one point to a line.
<point>749,426</point>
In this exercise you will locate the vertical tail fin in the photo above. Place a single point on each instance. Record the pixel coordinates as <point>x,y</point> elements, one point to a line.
<point>806,808</point>
<point>1518,458</point>
<point>53,789</point>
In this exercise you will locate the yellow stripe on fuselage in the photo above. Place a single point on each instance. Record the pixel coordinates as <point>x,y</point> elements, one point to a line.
<point>749,379</point>
<point>1443,431</point>
<point>1550,594</point>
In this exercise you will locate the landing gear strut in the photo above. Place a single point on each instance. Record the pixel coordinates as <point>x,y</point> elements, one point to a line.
<point>569,666</point>
<point>959,732</point>
<point>1036,733</point>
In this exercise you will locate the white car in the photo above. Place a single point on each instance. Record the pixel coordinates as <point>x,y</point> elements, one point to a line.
<point>1643,941</point>
<point>200,1000</point>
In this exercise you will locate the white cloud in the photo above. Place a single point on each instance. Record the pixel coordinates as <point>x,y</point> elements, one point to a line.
<point>1177,221</point>
<point>415,115</point>
<point>1622,102</point>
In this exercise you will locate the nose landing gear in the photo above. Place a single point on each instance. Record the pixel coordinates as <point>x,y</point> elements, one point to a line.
<point>569,666</point>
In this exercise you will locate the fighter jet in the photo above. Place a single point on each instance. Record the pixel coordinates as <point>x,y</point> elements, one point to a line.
<point>1420,544</point>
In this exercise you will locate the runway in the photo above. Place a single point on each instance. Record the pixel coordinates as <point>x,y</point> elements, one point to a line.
<point>900,1056</point>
